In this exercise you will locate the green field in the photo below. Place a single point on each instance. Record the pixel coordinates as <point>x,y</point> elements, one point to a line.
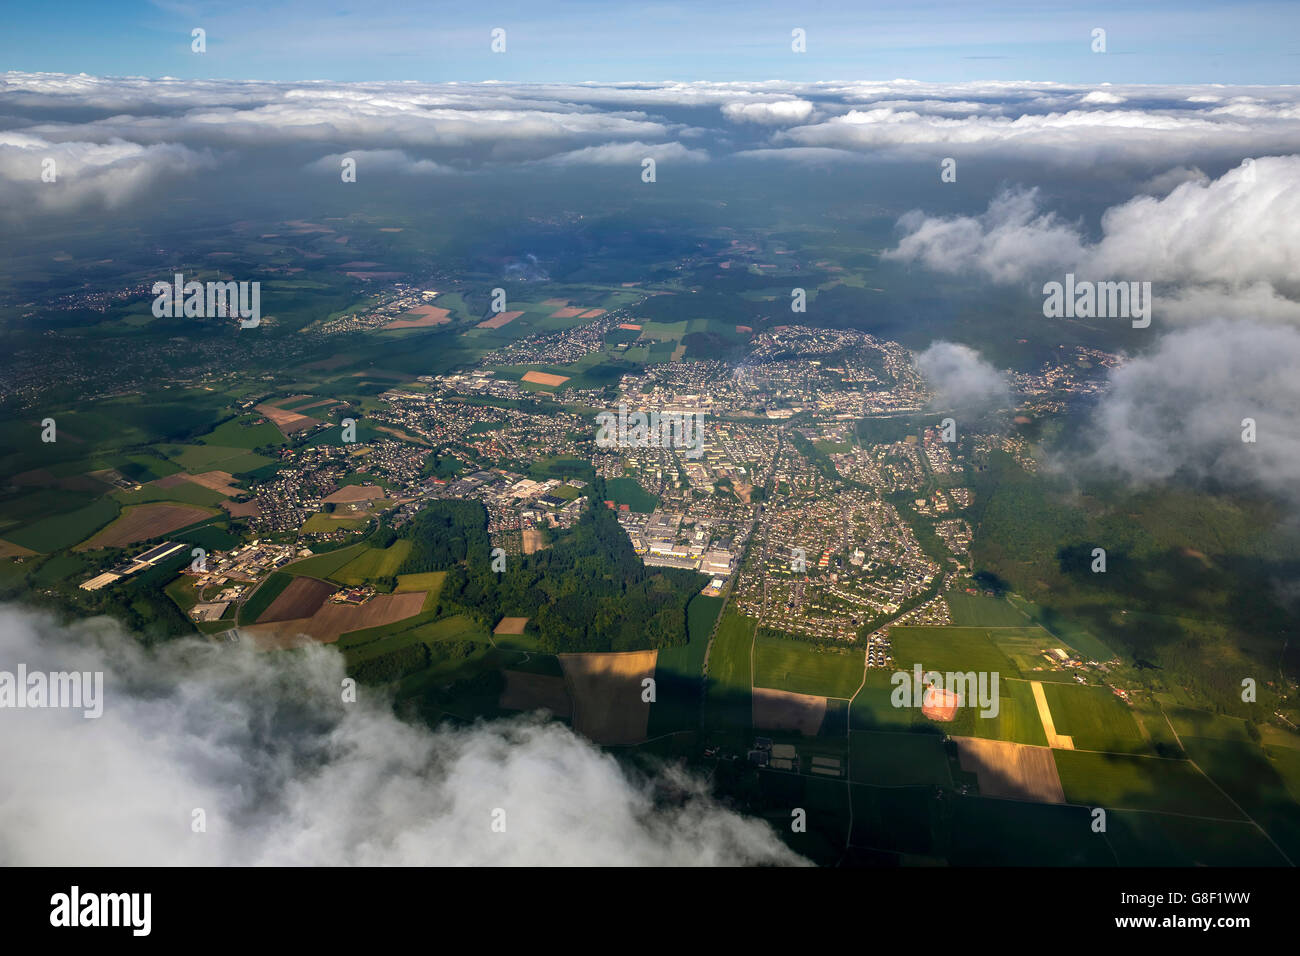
<point>728,695</point>
<point>323,565</point>
<point>373,563</point>
<point>1130,782</point>
<point>242,433</point>
<point>200,458</point>
<point>64,530</point>
<point>678,670</point>
<point>977,610</point>
<point>898,759</point>
<point>187,492</point>
<point>322,523</point>
<point>949,649</point>
<point>1159,839</point>
<point>428,581</point>
<point>806,668</point>
<point>456,628</point>
<point>627,491</point>
<point>261,599</point>
<point>1095,718</point>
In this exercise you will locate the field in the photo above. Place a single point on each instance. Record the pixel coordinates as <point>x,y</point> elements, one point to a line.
<point>627,491</point>
<point>430,581</point>
<point>322,523</point>
<point>264,596</point>
<point>944,649</point>
<point>511,625</point>
<point>300,599</point>
<point>679,670</point>
<point>807,669</point>
<point>606,692</point>
<point>1094,718</point>
<point>526,691</point>
<point>373,563</point>
<point>324,565</point>
<point>977,610</point>
<point>331,621</point>
<point>60,531</point>
<point>1011,771</point>
<point>1131,782</point>
<point>898,759</point>
<point>730,680</point>
<point>144,522</point>
<point>782,710</point>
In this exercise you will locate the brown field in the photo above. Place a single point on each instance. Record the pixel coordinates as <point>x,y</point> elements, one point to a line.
<point>10,550</point>
<point>536,692</point>
<point>534,540</point>
<point>545,378</point>
<point>630,326</point>
<point>242,509</point>
<point>606,694</point>
<point>142,522</point>
<point>332,620</point>
<point>422,316</point>
<point>678,353</point>
<point>404,435</point>
<point>218,481</point>
<point>370,275</point>
<point>390,229</point>
<point>1011,771</point>
<point>302,598</point>
<point>355,493</point>
<point>511,625</point>
<point>555,302</point>
<point>783,710</point>
<point>568,312</point>
<point>287,422</point>
<point>500,319</point>
<point>592,314</point>
<point>171,481</point>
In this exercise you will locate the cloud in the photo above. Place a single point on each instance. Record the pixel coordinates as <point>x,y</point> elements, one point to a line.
<point>1240,230</point>
<point>1010,241</point>
<point>380,161</point>
<point>289,775</point>
<point>1178,411</point>
<point>619,154</point>
<point>961,380</point>
<point>106,175</point>
<point>778,113</point>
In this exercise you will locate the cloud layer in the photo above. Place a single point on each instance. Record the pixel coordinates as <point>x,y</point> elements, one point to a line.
<point>287,774</point>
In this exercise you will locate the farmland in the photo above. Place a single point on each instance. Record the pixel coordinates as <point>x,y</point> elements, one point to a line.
<point>806,669</point>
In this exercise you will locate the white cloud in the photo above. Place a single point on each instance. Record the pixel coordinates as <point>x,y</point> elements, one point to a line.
<point>961,379</point>
<point>777,113</point>
<point>1179,409</point>
<point>289,775</point>
<point>1236,232</point>
<point>617,154</point>
<point>379,160</point>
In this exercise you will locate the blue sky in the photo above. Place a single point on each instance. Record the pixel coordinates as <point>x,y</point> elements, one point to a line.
<point>575,40</point>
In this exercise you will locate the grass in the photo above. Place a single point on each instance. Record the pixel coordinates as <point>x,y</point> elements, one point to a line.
<point>949,649</point>
<point>1125,781</point>
<point>323,565</point>
<point>729,686</point>
<point>898,760</point>
<point>627,491</point>
<point>1095,718</point>
<point>977,610</point>
<point>64,530</point>
<point>373,563</point>
<point>428,581</point>
<point>322,523</point>
<point>678,670</point>
<point>200,458</point>
<point>242,433</point>
<point>806,669</point>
